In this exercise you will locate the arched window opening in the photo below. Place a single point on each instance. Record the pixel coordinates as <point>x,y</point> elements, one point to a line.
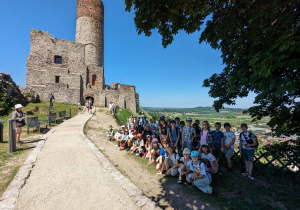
<point>94,78</point>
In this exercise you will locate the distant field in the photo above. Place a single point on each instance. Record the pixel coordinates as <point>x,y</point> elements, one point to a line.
<point>232,115</point>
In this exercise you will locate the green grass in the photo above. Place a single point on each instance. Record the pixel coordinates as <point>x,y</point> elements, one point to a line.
<point>8,168</point>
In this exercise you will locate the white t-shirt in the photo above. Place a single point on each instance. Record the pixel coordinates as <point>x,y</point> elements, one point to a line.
<point>110,106</point>
<point>209,157</point>
<point>187,164</point>
<point>173,158</point>
<point>118,135</point>
<point>229,136</point>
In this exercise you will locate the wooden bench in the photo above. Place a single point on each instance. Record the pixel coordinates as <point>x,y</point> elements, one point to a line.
<point>62,115</point>
<point>51,118</point>
<point>33,122</point>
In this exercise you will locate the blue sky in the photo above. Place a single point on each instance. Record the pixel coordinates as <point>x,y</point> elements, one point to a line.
<point>170,77</point>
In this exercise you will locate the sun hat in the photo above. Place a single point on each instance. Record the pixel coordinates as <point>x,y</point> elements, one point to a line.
<point>189,119</point>
<point>17,106</point>
<point>139,135</point>
<point>186,151</point>
<point>154,140</point>
<point>194,154</point>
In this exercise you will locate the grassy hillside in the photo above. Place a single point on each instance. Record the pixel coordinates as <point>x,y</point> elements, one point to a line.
<point>10,163</point>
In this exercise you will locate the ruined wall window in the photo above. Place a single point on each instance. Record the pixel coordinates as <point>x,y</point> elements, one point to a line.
<point>80,4</point>
<point>56,79</point>
<point>57,59</point>
<point>94,78</point>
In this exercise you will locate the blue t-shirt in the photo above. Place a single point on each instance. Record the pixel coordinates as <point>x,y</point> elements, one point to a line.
<point>217,137</point>
<point>162,152</point>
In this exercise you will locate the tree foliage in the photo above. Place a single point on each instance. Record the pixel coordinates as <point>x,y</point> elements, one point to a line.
<point>260,45</point>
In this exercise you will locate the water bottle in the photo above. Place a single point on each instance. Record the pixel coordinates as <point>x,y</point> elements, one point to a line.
<point>23,115</point>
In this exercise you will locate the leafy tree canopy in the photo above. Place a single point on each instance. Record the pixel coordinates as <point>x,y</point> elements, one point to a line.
<point>260,45</point>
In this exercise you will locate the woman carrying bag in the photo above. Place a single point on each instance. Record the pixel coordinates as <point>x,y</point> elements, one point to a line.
<point>20,121</point>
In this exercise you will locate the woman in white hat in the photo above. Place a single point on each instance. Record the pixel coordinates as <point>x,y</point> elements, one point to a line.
<point>20,121</point>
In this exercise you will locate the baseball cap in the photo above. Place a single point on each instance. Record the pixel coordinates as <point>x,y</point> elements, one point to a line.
<point>162,115</point>
<point>204,144</point>
<point>154,140</point>
<point>148,136</point>
<point>189,119</point>
<point>17,106</point>
<point>168,120</point>
<point>139,135</point>
<point>165,140</point>
<point>186,151</point>
<point>194,154</point>
<point>138,117</point>
<point>123,126</point>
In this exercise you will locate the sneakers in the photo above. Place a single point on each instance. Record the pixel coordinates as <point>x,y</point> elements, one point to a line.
<point>179,179</point>
<point>117,145</point>
<point>250,177</point>
<point>245,173</point>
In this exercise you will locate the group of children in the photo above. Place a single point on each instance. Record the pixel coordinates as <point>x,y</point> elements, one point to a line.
<point>183,149</point>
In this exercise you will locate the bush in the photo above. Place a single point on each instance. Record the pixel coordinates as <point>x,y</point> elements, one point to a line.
<point>29,94</point>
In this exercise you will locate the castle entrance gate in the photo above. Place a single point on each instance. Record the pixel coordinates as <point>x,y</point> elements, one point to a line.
<point>88,98</point>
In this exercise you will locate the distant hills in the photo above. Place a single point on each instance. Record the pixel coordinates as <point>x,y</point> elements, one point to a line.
<point>195,110</point>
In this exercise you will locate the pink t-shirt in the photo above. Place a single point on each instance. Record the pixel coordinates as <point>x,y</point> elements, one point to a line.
<point>203,137</point>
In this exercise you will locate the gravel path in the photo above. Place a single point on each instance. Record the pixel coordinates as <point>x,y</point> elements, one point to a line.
<point>67,175</point>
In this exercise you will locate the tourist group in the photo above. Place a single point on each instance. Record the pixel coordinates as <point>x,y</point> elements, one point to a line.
<point>185,149</point>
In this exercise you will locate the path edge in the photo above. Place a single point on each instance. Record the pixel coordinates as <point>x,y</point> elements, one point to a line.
<point>136,195</point>
<point>11,194</point>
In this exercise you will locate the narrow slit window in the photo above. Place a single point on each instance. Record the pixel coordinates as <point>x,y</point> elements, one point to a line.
<point>57,59</point>
<point>56,79</point>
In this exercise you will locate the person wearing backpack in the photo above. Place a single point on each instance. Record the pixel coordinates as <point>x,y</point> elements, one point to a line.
<point>248,142</point>
<point>228,144</point>
<point>199,176</point>
<point>173,133</point>
<point>208,159</point>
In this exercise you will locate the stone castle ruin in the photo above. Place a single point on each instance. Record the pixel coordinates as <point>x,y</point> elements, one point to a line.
<point>74,71</point>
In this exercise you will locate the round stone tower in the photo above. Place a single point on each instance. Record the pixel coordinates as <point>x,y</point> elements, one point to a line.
<point>90,30</point>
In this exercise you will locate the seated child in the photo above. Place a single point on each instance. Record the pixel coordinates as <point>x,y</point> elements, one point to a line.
<point>129,142</point>
<point>206,155</point>
<point>125,139</point>
<point>110,133</point>
<point>160,160</point>
<point>199,176</point>
<point>147,146</point>
<point>171,162</point>
<point>154,151</point>
<point>228,144</point>
<point>131,130</point>
<point>184,164</point>
<point>118,136</point>
<point>138,147</point>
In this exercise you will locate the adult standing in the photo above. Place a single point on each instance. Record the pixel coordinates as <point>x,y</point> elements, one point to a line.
<point>20,121</point>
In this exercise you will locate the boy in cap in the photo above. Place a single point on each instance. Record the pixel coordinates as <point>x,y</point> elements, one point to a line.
<point>138,147</point>
<point>199,176</point>
<point>188,134</point>
<point>184,165</point>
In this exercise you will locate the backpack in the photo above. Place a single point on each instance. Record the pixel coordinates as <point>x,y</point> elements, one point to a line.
<point>249,139</point>
<point>207,165</point>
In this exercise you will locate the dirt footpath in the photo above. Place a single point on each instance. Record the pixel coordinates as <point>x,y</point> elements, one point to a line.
<point>168,195</point>
<point>67,175</point>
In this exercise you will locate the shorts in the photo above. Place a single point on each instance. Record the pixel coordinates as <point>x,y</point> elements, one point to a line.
<point>217,152</point>
<point>248,154</point>
<point>19,130</point>
<point>228,152</point>
<point>188,144</point>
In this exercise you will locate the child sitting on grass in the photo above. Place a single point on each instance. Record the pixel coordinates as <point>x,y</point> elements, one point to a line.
<point>171,162</point>
<point>247,143</point>
<point>125,139</point>
<point>228,144</point>
<point>129,142</point>
<point>138,147</point>
<point>199,176</point>
<point>118,136</point>
<point>110,133</point>
<point>147,146</point>
<point>207,156</point>
<point>154,151</point>
<point>160,160</point>
<point>184,165</point>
